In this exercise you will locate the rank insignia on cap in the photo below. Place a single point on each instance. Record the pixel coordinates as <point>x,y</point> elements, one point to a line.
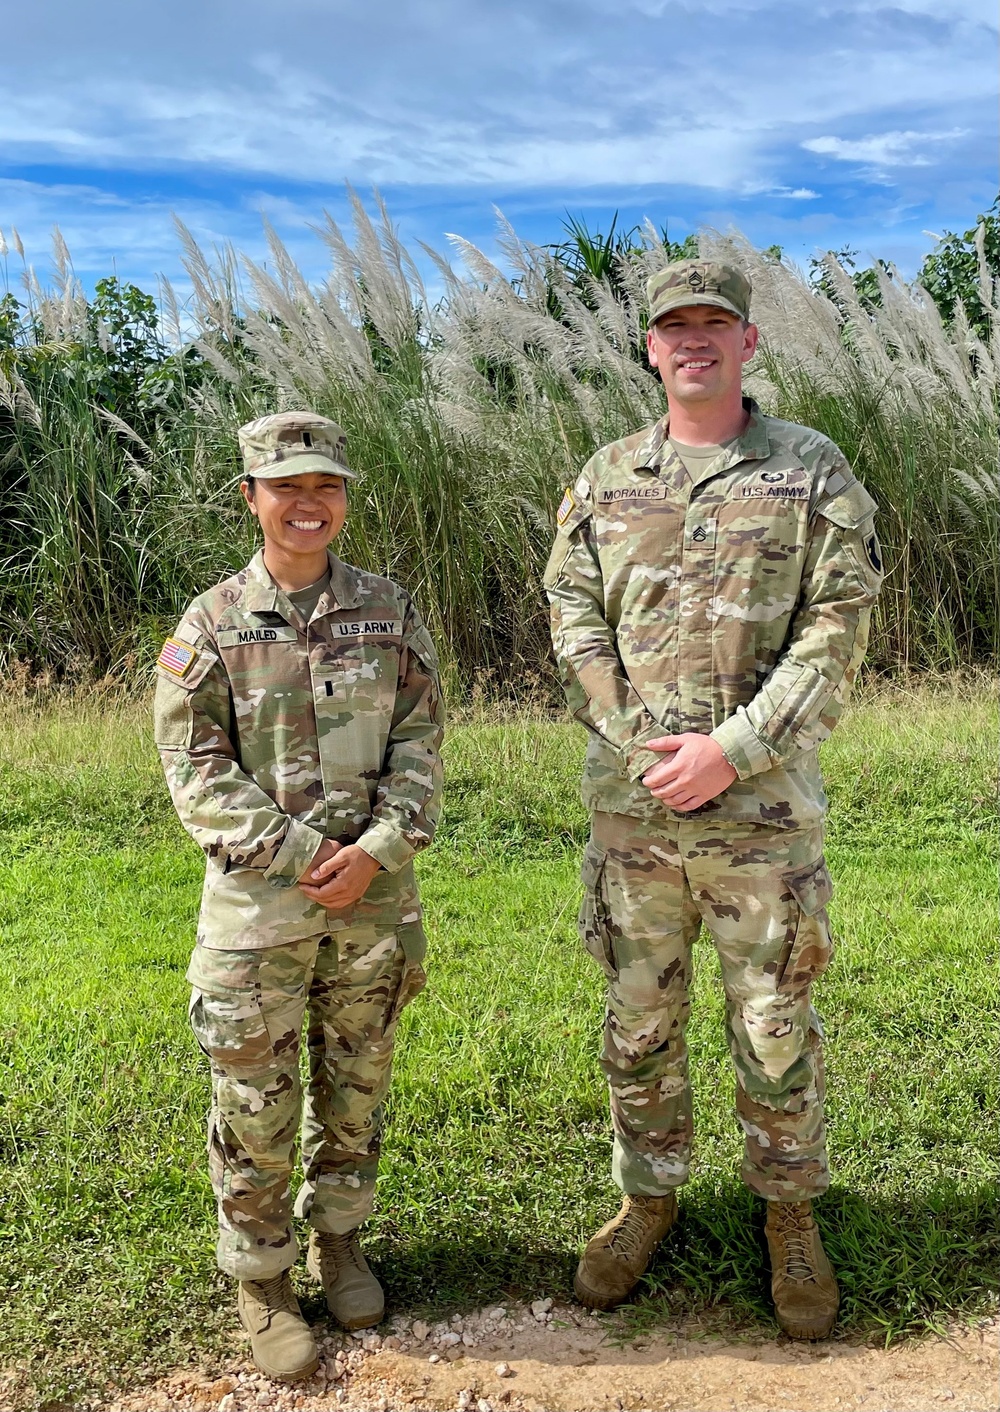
<point>176,657</point>
<point>566,506</point>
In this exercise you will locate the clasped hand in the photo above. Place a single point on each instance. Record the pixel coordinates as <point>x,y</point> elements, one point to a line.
<point>338,876</point>
<point>695,772</point>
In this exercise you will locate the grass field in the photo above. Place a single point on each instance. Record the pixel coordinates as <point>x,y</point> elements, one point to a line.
<point>497,1159</point>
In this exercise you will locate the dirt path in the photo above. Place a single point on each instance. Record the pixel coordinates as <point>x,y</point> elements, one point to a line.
<point>546,1359</point>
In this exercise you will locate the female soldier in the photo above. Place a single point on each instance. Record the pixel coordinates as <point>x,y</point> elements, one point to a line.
<point>299,720</point>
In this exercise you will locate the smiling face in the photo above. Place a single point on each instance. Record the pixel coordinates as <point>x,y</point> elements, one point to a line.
<point>299,515</point>
<point>700,351</point>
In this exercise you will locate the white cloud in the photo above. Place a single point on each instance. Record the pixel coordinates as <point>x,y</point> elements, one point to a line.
<point>886,149</point>
<point>462,92</point>
<point>466,102</point>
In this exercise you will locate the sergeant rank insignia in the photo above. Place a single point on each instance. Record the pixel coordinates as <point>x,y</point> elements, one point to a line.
<point>176,657</point>
<point>566,507</point>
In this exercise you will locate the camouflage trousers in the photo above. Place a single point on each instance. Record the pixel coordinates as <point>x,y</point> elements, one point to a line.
<point>761,892</point>
<point>247,1012</point>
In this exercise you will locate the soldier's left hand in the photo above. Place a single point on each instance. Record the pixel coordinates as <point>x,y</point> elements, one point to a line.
<point>340,881</point>
<point>695,771</point>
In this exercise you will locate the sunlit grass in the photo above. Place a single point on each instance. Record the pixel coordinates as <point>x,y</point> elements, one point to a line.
<point>498,1153</point>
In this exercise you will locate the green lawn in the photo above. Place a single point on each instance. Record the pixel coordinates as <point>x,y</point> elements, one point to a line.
<point>497,1160</point>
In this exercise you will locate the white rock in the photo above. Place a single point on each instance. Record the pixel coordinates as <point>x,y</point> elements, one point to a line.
<point>504,1370</point>
<point>540,1307</point>
<point>469,1340</point>
<point>434,1358</point>
<point>448,1340</point>
<point>371,1343</point>
<point>457,1322</point>
<point>264,1399</point>
<point>420,1330</point>
<point>464,1400</point>
<point>392,1341</point>
<point>484,1406</point>
<point>227,1403</point>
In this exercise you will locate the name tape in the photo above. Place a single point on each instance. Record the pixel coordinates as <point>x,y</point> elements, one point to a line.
<point>624,494</point>
<point>247,637</point>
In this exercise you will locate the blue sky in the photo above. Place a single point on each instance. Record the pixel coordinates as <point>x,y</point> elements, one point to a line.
<point>814,125</point>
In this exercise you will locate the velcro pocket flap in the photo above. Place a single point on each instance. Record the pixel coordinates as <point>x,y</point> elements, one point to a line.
<point>850,508</point>
<point>812,887</point>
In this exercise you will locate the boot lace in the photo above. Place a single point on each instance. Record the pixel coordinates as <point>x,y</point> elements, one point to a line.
<point>795,1228</point>
<point>341,1247</point>
<point>629,1236</point>
<point>276,1294</point>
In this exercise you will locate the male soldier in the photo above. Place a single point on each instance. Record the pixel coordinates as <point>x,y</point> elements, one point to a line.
<point>711,586</point>
<point>299,719</point>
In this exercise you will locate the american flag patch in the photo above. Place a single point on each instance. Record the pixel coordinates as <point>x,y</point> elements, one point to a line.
<point>176,656</point>
<point>566,505</point>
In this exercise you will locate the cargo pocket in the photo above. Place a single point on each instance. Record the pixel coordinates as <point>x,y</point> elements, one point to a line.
<point>226,1018</point>
<point>812,945</point>
<point>413,944</point>
<point>595,926</point>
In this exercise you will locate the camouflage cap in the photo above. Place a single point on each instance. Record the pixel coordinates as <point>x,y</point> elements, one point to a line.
<point>292,444</point>
<point>686,282</point>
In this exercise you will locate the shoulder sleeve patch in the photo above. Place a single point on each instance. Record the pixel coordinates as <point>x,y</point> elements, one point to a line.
<point>183,663</point>
<point>566,507</point>
<point>176,657</point>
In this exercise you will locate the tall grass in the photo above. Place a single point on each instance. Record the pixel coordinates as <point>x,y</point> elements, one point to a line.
<point>467,412</point>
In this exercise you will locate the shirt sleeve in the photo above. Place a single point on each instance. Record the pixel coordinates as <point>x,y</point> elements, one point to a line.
<point>801,699</point>
<point>408,798</point>
<point>226,813</point>
<point>597,688</point>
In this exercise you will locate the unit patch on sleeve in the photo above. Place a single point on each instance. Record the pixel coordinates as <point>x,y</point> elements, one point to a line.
<point>566,507</point>
<point>176,657</point>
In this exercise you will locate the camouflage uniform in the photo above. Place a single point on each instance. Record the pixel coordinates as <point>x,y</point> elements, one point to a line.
<point>735,603</point>
<point>276,734</point>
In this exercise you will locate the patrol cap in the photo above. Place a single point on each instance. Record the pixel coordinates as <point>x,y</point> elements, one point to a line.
<point>686,282</point>
<point>292,444</point>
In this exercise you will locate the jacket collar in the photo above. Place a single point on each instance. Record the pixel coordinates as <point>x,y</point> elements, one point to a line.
<point>262,595</point>
<point>655,450</point>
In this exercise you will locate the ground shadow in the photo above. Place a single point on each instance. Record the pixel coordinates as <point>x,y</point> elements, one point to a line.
<point>903,1267</point>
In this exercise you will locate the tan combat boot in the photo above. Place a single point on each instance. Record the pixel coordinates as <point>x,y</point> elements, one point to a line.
<point>353,1294</point>
<point>617,1256</point>
<point>282,1342</point>
<point>802,1283</point>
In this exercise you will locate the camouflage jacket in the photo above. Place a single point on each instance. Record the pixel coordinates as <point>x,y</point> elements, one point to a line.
<point>275,734</point>
<point>736,605</point>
